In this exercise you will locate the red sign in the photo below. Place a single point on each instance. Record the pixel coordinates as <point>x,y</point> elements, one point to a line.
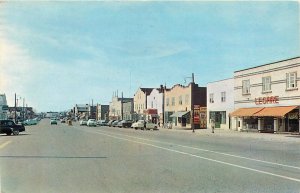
<point>267,100</point>
<point>196,114</point>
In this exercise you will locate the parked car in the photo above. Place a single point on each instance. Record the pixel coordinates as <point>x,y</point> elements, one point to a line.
<point>110,123</point>
<point>9,127</point>
<point>102,122</point>
<point>63,121</point>
<point>125,124</point>
<point>141,124</point>
<point>53,122</point>
<point>115,123</point>
<point>83,122</point>
<point>91,123</point>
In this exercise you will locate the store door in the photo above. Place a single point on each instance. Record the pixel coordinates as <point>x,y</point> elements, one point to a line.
<point>218,120</point>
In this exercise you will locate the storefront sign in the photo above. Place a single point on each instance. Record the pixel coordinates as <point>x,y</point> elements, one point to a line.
<point>267,100</point>
<point>196,114</point>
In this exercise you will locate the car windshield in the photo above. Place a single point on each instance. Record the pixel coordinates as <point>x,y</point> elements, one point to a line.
<point>150,96</point>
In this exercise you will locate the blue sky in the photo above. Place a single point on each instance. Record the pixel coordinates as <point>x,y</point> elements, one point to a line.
<point>57,54</point>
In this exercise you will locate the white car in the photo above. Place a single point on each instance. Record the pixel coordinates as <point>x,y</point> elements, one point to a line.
<point>83,122</point>
<point>91,123</point>
<point>141,125</point>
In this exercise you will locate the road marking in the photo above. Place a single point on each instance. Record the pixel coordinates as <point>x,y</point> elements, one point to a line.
<point>206,150</point>
<point>4,144</point>
<point>201,157</point>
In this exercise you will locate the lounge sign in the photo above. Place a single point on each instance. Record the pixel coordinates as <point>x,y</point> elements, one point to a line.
<point>267,100</point>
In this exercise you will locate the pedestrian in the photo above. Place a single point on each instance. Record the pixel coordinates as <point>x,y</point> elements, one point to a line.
<point>212,123</point>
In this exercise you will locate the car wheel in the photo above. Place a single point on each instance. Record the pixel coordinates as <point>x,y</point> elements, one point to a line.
<point>16,132</point>
<point>155,128</point>
<point>8,133</point>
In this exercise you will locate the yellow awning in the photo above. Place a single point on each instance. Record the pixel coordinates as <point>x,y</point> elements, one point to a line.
<point>275,111</point>
<point>245,112</point>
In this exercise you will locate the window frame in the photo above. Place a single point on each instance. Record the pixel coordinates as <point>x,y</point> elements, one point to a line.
<point>246,87</point>
<point>288,80</point>
<point>266,85</point>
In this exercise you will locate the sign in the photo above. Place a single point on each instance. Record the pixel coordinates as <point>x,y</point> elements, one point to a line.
<point>4,107</point>
<point>196,114</point>
<point>203,114</point>
<point>267,100</point>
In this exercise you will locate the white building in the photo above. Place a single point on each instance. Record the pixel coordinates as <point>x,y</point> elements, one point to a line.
<point>154,110</point>
<point>220,102</point>
<point>267,97</point>
<point>3,107</point>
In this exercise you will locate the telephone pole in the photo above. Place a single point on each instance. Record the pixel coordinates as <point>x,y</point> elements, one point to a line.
<point>192,103</point>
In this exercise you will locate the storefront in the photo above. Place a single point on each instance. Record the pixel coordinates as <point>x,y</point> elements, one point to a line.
<point>267,97</point>
<point>181,118</point>
<point>151,115</point>
<point>267,119</point>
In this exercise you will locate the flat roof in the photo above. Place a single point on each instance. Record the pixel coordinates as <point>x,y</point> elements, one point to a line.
<point>267,64</point>
<point>220,80</point>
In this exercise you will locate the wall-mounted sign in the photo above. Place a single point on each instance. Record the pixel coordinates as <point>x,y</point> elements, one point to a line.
<point>267,100</point>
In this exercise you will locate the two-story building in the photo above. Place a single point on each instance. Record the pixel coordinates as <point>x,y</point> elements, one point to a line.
<point>102,112</point>
<point>140,103</point>
<point>178,103</point>
<point>267,97</point>
<point>155,105</point>
<point>116,107</point>
<point>220,102</point>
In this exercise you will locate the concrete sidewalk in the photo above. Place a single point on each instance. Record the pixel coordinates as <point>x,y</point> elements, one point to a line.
<point>282,137</point>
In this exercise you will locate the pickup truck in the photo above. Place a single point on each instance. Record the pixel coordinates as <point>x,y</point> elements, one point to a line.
<point>9,127</point>
<point>140,124</point>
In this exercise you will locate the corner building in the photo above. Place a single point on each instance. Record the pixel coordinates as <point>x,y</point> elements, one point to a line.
<point>267,97</point>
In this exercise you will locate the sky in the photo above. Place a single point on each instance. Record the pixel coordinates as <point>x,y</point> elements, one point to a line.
<point>58,54</point>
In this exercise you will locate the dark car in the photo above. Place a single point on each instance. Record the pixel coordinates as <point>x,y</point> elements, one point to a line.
<point>9,127</point>
<point>125,124</point>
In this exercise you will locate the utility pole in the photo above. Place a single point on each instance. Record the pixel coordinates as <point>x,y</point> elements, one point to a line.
<point>192,103</point>
<point>15,108</point>
<point>122,113</point>
<point>23,109</point>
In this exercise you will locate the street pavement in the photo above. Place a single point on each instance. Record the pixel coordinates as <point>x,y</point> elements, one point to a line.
<point>79,159</point>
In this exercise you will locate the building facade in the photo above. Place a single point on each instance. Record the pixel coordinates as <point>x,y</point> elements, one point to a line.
<point>140,103</point>
<point>81,111</point>
<point>178,105</point>
<point>154,112</point>
<point>3,107</point>
<point>220,102</point>
<point>102,112</point>
<point>116,107</point>
<point>128,110</point>
<point>267,97</point>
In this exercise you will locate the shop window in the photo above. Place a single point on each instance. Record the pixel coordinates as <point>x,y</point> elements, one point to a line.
<point>246,86</point>
<point>266,84</point>
<point>291,80</point>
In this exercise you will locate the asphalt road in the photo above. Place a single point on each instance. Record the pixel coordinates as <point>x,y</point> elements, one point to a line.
<point>80,159</point>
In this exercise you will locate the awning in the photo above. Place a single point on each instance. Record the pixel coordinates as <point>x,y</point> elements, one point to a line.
<point>275,111</point>
<point>179,114</point>
<point>245,112</point>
